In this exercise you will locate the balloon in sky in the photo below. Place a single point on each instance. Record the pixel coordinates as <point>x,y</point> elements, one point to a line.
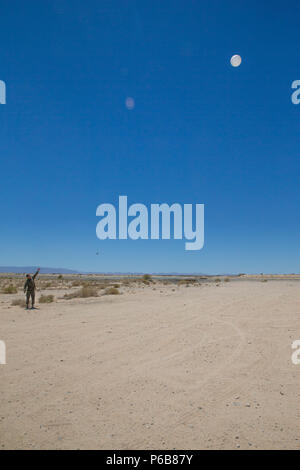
<point>236,60</point>
<point>129,103</point>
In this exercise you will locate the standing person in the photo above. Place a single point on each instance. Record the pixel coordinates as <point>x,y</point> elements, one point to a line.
<point>29,288</point>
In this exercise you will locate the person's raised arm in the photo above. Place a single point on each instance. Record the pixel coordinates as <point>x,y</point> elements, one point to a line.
<point>34,276</point>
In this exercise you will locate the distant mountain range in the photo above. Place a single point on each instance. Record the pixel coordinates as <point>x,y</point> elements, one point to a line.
<point>32,269</point>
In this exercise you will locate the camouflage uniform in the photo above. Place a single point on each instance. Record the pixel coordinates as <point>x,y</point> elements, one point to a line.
<point>29,288</point>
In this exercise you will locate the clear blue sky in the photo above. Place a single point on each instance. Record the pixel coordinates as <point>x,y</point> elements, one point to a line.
<point>201,131</point>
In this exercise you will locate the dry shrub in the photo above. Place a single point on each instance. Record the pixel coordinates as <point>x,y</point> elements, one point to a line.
<point>186,282</point>
<point>101,286</point>
<point>84,292</point>
<point>46,299</point>
<point>112,291</point>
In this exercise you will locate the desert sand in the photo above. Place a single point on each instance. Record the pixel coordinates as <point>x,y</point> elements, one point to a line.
<point>161,366</point>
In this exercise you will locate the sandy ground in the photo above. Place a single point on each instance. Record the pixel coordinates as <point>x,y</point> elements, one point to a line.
<point>206,367</point>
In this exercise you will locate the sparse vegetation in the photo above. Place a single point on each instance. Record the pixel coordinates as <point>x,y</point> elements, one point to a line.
<point>146,277</point>
<point>226,279</point>
<point>84,292</point>
<point>112,291</point>
<point>47,285</point>
<point>187,282</point>
<point>46,299</point>
<point>10,290</point>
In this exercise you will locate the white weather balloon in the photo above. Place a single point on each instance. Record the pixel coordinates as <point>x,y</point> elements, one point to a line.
<point>129,103</point>
<point>236,60</point>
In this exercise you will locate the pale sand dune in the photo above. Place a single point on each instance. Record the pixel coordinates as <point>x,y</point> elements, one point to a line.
<point>191,368</point>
